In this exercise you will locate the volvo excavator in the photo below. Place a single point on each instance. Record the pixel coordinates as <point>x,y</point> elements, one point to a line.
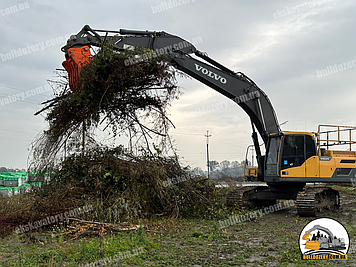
<point>291,159</point>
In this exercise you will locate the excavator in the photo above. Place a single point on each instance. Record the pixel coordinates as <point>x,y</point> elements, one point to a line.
<point>323,242</point>
<point>291,159</point>
<point>250,173</point>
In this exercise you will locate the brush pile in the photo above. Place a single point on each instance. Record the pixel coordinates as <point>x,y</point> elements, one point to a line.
<point>121,186</point>
<point>129,100</point>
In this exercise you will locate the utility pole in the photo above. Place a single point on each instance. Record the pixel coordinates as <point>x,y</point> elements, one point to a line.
<point>207,150</point>
<point>252,156</point>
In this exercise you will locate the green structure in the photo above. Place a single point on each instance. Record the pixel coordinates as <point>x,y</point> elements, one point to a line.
<point>13,179</point>
<point>13,183</point>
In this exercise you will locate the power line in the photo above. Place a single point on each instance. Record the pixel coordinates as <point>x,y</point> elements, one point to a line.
<point>11,139</point>
<point>14,131</point>
<point>185,133</point>
<point>217,137</point>
<point>21,90</point>
<point>227,140</point>
<point>212,153</point>
<point>24,100</point>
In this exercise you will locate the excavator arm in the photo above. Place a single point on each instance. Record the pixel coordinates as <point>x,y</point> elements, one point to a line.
<point>236,86</point>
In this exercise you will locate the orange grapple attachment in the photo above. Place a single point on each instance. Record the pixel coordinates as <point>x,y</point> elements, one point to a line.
<point>76,58</point>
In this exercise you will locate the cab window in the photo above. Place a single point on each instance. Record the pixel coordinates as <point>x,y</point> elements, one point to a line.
<point>293,151</point>
<point>296,150</point>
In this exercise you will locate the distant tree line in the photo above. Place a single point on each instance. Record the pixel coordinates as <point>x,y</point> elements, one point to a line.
<point>224,169</point>
<point>4,169</point>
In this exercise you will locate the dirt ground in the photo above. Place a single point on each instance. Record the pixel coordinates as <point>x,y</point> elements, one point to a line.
<point>271,240</point>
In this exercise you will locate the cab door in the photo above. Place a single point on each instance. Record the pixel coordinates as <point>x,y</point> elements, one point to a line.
<point>293,156</point>
<point>312,164</point>
<point>299,156</point>
<point>272,168</point>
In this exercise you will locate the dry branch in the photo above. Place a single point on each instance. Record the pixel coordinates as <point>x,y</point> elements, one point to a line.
<point>79,228</point>
<point>127,100</point>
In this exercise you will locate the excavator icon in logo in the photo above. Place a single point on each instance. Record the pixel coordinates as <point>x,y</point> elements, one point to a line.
<point>318,242</point>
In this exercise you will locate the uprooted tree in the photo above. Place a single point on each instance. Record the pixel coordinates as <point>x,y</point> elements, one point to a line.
<point>130,100</point>
<point>125,100</point>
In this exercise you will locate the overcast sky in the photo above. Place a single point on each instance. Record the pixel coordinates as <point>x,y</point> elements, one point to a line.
<point>282,45</point>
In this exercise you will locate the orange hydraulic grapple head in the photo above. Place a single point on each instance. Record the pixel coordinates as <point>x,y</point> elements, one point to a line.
<point>76,58</point>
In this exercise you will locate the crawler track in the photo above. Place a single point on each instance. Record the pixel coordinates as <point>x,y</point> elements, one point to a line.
<point>312,200</point>
<point>239,196</point>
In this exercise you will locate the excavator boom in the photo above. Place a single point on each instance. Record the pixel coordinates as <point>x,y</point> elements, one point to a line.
<point>236,86</point>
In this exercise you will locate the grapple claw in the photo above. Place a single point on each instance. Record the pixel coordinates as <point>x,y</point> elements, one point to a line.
<point>76,58</point>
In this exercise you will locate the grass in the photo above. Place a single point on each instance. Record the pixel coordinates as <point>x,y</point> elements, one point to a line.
<point>271,240</point>
<point>43,250</point>
<point>174,242</point>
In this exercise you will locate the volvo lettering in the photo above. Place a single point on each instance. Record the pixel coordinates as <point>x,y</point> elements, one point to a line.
<point>211,74</point>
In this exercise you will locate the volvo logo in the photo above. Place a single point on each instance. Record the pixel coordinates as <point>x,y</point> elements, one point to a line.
<point>209,73</point>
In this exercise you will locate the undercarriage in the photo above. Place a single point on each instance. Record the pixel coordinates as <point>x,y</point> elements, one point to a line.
<point>309,200</point>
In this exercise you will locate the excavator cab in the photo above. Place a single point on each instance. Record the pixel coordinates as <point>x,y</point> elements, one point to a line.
<point>300,156</point>
<point>286,155</point>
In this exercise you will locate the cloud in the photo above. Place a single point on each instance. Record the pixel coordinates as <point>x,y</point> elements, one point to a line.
<point>280,55</point>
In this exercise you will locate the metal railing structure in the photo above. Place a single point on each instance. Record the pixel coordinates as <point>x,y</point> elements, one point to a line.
<point>337,135</point>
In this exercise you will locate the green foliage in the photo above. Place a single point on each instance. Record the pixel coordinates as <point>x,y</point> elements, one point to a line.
<point>129,100</point>
<point>123,186</point>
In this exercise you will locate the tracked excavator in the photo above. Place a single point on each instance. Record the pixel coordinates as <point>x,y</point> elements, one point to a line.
<point>291,159</point>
